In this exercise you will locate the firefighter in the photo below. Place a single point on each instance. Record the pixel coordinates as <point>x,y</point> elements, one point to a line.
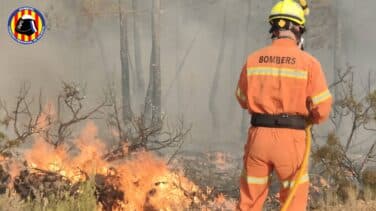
<point>283,88</point>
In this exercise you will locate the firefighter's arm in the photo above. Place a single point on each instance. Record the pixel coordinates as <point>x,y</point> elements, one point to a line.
<point>241,89</point>
<point>319,98</point>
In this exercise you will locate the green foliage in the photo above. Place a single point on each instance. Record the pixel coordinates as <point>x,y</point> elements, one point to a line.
<point>372,101</point>
<point>344,172</point>
<point>369,178</point>
<point>331,154</point>
<point>2,136</point>
<point>369,181</point>
<point>84,201</point>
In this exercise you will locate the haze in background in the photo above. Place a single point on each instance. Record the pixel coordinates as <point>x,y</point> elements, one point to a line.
<point>82,45</point>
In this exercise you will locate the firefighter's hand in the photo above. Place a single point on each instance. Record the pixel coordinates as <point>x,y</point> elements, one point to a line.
<point>309,120</point>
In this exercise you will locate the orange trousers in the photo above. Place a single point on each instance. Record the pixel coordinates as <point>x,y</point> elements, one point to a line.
<point>268,149</point>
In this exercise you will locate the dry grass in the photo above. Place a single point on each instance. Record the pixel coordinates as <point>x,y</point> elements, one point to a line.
<point>353,206</point>
<point>334,201</point>
<point>86,201</point>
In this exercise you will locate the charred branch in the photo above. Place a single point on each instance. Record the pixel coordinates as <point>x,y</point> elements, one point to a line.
<point>72,99</point>
<point>141,137</point>
<point>22,119</point>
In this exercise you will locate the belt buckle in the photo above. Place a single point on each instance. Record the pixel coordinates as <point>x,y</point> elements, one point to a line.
<point>278,121</point>
<point>284,115</point>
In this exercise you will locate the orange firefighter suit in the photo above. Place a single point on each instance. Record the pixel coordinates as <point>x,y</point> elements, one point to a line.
<point>279,79</point>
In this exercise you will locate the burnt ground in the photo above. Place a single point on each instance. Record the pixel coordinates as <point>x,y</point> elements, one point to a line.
<point>221,172</point>
<point>216,170</point>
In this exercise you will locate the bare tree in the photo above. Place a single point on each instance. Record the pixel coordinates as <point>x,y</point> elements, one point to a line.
<point>55,129</point>
<point>137,135</point>
<point>71,100</point>
<point>153,97</point>
<point>138,70</point>
<point>21,119</point>
<point>125,67</point>
<point>334,157</point>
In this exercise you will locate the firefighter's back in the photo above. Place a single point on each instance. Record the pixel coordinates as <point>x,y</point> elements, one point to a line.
<point>277,78</point>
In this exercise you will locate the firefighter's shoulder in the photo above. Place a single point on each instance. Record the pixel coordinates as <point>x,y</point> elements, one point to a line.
<point>310,58</point>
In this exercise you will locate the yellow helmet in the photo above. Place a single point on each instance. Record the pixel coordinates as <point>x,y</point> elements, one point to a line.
<point>290,10</point>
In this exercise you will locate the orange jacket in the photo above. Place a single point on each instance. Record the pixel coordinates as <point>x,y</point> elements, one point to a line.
<point>281,78</point>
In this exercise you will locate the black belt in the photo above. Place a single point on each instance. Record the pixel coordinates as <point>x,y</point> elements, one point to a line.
<point>279,121</point>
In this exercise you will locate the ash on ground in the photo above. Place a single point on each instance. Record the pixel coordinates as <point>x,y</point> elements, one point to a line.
<point>216,170</point>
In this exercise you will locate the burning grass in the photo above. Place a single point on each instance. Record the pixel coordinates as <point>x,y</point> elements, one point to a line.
<point>63,173</point>
<point>49,177</point>
<point>83,177</point>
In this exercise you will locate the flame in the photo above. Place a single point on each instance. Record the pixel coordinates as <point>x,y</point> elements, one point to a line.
<point>147,181</point>
<point>14,169</point>
<point>45,156</point>
<point>89,159</point>
<point>46,117</point>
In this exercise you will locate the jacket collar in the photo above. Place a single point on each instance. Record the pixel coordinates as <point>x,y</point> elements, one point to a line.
<point>288,42</point>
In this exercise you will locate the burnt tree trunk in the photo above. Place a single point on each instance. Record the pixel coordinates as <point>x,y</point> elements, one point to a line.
<point>138,70</point>
<point>153,97</point>
<point>124,56</point>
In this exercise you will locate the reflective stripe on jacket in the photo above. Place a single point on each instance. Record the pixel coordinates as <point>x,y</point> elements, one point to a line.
<point>281,78</point>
